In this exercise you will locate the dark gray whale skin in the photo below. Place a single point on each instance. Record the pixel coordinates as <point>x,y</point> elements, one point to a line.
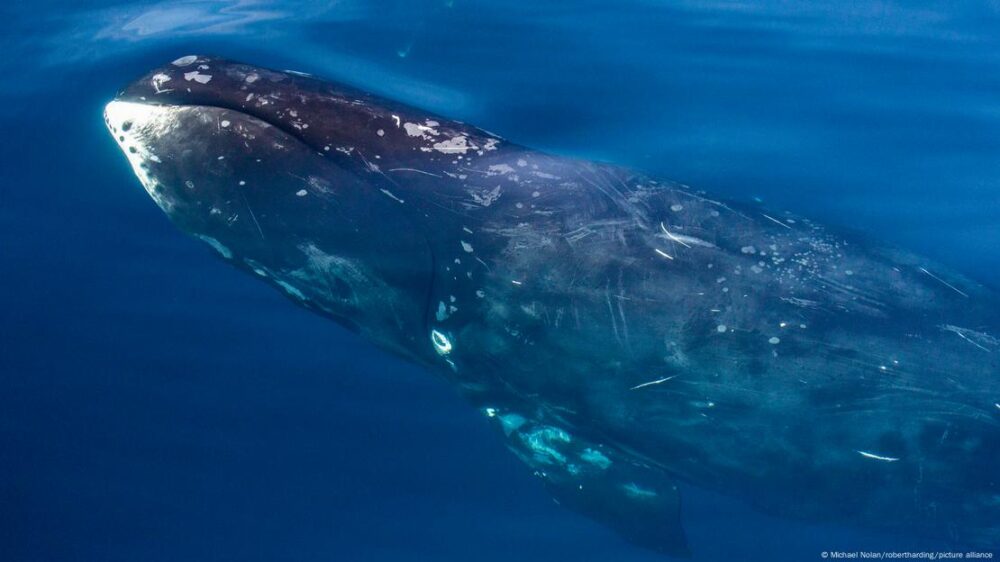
<point>622,332</point>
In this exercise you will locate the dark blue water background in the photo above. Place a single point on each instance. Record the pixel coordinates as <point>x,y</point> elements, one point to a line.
<point>158,405</point>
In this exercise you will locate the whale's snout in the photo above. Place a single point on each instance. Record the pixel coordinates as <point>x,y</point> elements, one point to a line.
<point>264,174</point>
<point>137,127</point>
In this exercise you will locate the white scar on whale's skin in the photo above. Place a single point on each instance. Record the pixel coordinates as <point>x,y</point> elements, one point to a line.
<point>664,254</point>
<point>978,339</point>
<point>651,383</point>
<point>672,237</point>
<point>883,458</point>
<point>943,282</point>
<point>441,342</point>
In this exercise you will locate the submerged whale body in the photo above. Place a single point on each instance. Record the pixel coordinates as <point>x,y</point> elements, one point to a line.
<point>623,333</point>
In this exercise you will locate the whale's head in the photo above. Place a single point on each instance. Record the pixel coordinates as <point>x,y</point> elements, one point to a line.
<point>282,175</point>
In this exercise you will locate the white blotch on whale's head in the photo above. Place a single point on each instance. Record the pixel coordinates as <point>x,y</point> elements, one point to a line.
<point>457,144</point>
<point>426,132</point>
<point>499,169</point>
<point>158,80</point>
<point>132,125</point>
<point>197,77</point>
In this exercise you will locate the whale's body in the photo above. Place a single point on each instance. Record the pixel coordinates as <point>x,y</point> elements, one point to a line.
<point>623,333</point>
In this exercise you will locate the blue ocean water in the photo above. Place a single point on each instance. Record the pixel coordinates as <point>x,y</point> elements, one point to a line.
<point>157,405</point>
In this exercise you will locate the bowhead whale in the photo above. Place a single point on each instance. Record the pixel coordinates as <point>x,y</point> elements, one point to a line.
<point>622,332</point>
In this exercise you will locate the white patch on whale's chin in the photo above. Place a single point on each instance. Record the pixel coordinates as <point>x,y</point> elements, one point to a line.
<point>133,125</point>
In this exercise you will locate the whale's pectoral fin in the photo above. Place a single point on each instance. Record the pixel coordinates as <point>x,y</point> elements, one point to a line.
<point>641,502</point>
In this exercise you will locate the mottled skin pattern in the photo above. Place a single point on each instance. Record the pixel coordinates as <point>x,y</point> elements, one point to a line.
<point>622,332</point>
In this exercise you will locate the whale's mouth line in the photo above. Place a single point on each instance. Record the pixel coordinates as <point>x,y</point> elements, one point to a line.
<point>240,111</point>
